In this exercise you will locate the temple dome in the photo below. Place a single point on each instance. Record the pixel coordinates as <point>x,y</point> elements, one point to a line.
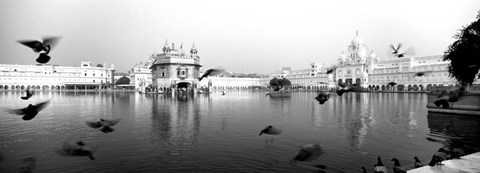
<point>357,40</point>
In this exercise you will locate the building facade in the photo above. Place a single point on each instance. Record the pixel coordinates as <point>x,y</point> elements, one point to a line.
<point>141,74</point>
<point>373,73</point>
<point>175,69</point>
<point>54,77</point>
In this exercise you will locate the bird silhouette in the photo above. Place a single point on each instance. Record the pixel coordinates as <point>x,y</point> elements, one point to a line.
<point>223,93</point>
<point>322,97</point>
<point>379,167</point>
<point>30,111</point>
<point>417,163</point>
<point>419,74</point>
<point>104,125</point>
<point>438,157</point>
<point>396,51</point>
<point>270,130</point>
<point>76,149</point>
<point>38,46</point>
<point>211,72</point>
<point>397,168</point>
<point>29,94</point>
<point>341,91</point>
<point>307,153</point>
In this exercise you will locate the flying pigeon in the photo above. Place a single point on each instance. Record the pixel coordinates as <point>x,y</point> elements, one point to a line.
<point>308,153</point>
<point>76,149</point>
<point>38,46</point>
<point>30,111</point>
<point>270,131</point>
<point>104,125</point>
<point>29,94</point>
<point>211,72</point>
<point>322,97</point>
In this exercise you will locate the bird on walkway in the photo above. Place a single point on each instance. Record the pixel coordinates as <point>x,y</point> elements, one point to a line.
<point>307,153</point>
<point>438,157</point>
<point>417,163</point>
<point>397,168</point>
<point>76,149</point>
<point>30,111</point>
<point>379,167</point>
<point>223,93</point>
<point>45,45</point>
<point>322,97</point>
<point>29,94</point>
<point>104,125</point>
<point>211,72</point>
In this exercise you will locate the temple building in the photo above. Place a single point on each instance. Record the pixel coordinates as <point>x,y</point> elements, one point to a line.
<point>369,71</point>
<point>55,77</point>
<point>141,74</point>
<point>175,69</point>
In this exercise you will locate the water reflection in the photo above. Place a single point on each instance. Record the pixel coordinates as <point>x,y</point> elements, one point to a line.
<point>176,123</point>
<point>455,131</point>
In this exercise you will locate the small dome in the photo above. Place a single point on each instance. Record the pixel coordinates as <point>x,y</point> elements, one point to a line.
<point>373,55</point>
<point>362,53</point>
<point>357,40</point>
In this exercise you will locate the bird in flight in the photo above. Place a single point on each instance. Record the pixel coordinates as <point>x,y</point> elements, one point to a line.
<point>104,125</point>
<point>44,46</point>
<point>76,149</point>
<point>210,72</point>
<point>322,97</point>
<point>29,94</point>
<point>30,111</point>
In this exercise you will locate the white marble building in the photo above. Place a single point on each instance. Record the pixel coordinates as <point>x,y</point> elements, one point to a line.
<point>54,77</point>
<point>141,74</point>
<point>369,71</point>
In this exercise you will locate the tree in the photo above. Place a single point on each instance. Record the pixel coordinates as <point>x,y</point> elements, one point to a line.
<point>464,54</point>
<point>123,81</point>
<point>278,84</point>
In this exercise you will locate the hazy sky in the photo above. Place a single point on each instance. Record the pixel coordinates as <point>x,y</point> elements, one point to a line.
<point>242,36</point>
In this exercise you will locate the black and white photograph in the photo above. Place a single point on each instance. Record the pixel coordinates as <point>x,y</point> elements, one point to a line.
<point>243,86</point>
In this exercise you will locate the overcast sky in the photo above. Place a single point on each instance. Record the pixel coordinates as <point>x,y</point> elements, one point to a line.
<point>242,36</point>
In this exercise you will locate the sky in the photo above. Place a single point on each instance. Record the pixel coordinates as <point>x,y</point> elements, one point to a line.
<point>245,36</point>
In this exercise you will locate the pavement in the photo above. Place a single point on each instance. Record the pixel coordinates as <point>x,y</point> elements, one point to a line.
<point>466,164</point>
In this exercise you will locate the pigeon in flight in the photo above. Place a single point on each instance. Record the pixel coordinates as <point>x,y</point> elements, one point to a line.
<point>104,125</point>
<point>76,149</point>
<point>44,47</point>
<point>307,153</point>
<point>30,111</point>
<point>270,130</point>
<point>29,94</point>
<point>419,74</point>
<point>211,72</point>
<point>322,97</point>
